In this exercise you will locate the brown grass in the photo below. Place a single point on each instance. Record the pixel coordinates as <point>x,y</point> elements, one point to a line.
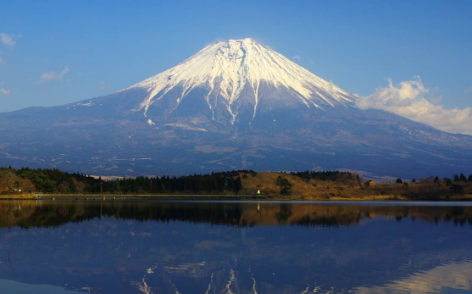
<point>302,189</point>
<point>266,182</point>
<point>347,189</point>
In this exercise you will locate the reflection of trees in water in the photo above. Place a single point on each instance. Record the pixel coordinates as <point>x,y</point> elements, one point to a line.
<point>195,256</point>
<point>26,214</point>
<point>284,213</point>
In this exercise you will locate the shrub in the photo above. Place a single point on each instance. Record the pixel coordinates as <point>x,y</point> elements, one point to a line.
<point>457,189</point>
<point>285,186</point>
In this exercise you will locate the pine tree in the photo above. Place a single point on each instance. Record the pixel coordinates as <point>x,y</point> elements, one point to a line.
<point>470,178</point>
<point>399,181</point>
<point>238,185</point>
<point>462,178</point>
<point>448,182</point>
<point>117,187</point>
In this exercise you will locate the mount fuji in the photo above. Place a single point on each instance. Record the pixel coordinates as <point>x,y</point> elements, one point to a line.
<point>233,105</point>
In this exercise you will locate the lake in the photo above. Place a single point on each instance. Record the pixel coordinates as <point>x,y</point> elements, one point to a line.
<point>235,247</point>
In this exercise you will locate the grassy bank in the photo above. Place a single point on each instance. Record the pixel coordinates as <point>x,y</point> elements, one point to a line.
<point>325,185</point>
<point>275,197</point>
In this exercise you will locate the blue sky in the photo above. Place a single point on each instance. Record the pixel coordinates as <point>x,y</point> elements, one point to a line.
<point>56,52</point>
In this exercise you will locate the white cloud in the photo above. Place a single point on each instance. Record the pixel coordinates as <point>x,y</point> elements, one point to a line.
<point>5,91</point>
<point>297,57</point>
<point>54,76</point>
<point>9,40</point>
<point>409,99</point>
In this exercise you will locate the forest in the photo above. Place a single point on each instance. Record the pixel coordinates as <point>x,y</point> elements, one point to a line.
<point>55,181</point>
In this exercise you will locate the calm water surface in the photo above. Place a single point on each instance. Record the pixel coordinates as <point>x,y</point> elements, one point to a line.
<point>241,247</point>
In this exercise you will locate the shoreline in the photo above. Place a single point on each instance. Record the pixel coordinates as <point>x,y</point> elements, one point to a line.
<point>199,197</point>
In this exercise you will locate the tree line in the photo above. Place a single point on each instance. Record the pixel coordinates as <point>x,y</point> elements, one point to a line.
<point>57,181</point>
<point>327,175</point>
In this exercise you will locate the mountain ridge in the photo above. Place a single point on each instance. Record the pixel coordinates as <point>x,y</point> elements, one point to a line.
<point>175,127</point>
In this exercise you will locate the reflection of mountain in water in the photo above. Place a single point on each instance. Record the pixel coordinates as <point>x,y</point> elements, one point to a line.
<point>181,247</point>
<point>27,214</point>
<point>448,276</point>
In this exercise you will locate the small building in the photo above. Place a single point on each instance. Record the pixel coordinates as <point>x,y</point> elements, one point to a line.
<point>370,183</point>
<point>15,190</point>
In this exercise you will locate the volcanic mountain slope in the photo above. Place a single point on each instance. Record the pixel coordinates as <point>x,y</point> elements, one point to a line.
<point>236,79</point>
<point>233,105</point>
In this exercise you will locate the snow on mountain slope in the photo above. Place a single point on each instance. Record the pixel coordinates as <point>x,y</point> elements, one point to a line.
<point>226,68</point>
<point>233,105</point>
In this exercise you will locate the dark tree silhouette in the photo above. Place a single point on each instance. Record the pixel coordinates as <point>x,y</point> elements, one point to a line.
<point>285,186</point>
<point>448,182</point>
<point>238,185</point>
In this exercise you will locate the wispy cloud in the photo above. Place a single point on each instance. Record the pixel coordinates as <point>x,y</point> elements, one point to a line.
<point>54,76</point>
<point>9,40</point>
<point>297,57</point>
<point>409,99</point>
<point>5,92</point>
<point>104,86</point>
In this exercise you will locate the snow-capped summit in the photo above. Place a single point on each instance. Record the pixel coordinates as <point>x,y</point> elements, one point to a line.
<point>234,105</point>
<point>241,72</point>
